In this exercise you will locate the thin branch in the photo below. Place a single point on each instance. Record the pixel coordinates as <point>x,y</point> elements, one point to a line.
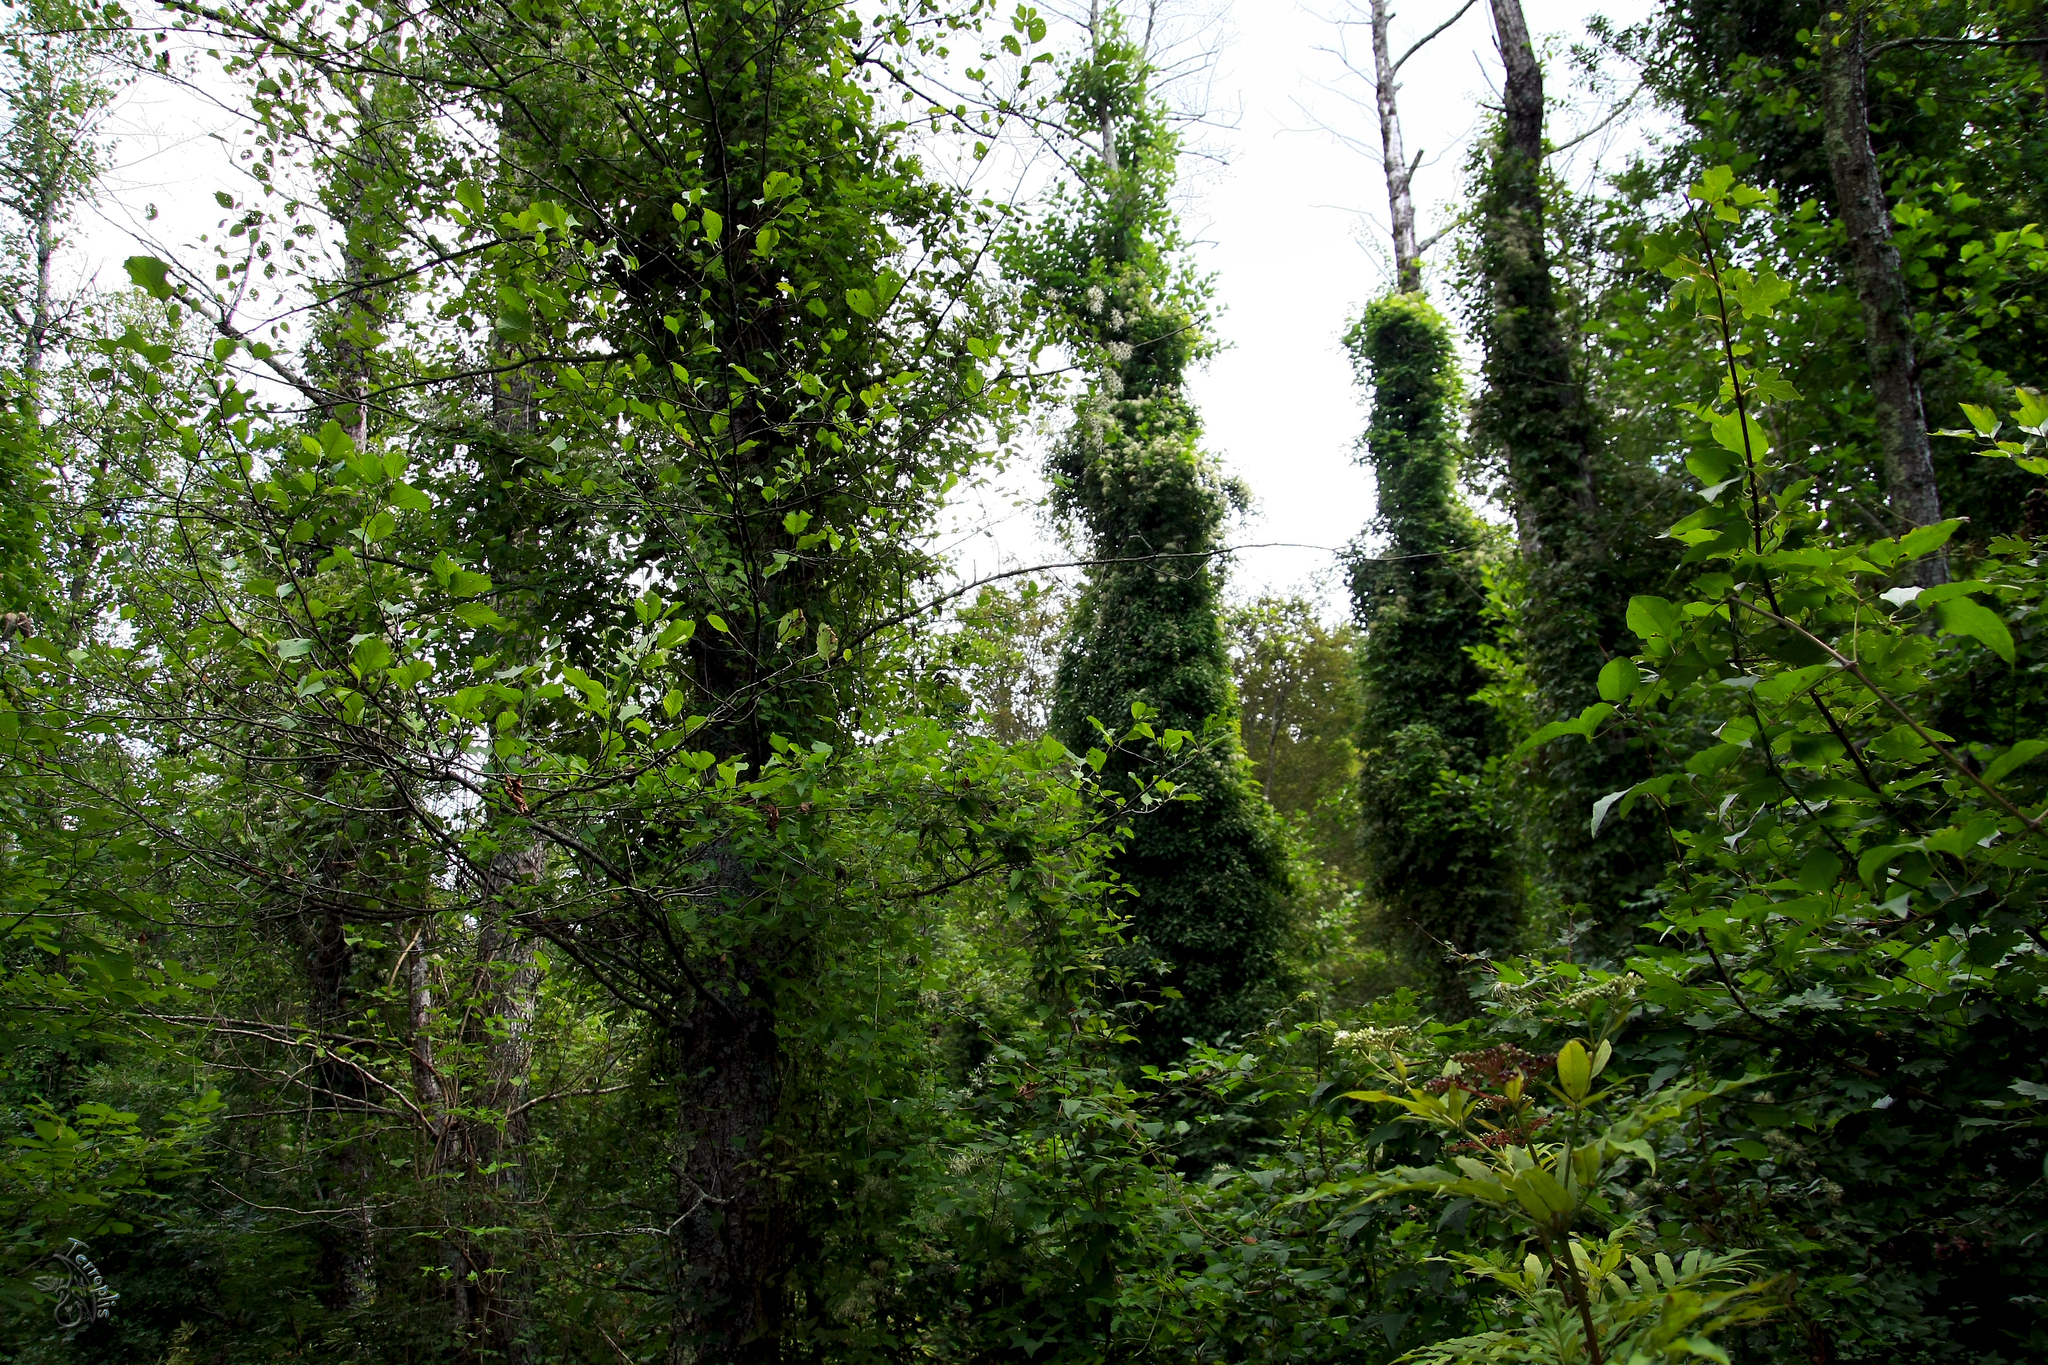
<point>1423,41</point>
<point>1855,670</point>
<point>1617,112</point>
<point>1870,52</point>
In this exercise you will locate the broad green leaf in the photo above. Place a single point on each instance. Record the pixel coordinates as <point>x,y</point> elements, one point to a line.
<point>1602,807</point>
<point>1731,429</point>
<point>1619,679</point>
<point>1961,616</point>
<point>371,653</point>
<point>1820,870</point>
<point>2025,751</point>
<point>150,275</point>
<point>1984,420</point>
<point>1653,618</point>
<point>1761,293</point>
<point>1574,1070</point>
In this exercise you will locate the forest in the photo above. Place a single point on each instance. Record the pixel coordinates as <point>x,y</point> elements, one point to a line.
<point>517,844</point>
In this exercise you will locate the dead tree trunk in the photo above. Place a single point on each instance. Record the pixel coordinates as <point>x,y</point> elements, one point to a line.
<point>1394,157</point>
<point>1880,282</point>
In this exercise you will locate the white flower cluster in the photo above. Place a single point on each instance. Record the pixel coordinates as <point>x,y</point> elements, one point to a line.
<point>1374,1039</point>
<point>1525,996</point>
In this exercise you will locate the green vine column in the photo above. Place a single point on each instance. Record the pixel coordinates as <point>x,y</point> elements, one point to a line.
<point>1436,861</point>
<point>1210,875</point>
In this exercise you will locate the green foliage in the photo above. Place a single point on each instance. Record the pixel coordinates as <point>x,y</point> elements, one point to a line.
<point>500,858</point>
<point>1207,874</point>
<point>22,493</point>
<point>1437,861</point>
<point>1852,898</point>
<point>1583,547</point>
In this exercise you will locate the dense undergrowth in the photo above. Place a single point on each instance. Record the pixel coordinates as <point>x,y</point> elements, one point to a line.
<point>510,849</point>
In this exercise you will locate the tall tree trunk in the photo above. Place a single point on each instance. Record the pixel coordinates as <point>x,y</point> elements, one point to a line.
<point>1582,561</point>
<point>348,1251</point>
<point>1394,159</point>
<point>38,337</point>
<point>507,988</point>
<point>731,1236</point>
<point>1880,281</point>
<point>433,1093</point>
<point>1435,863</point>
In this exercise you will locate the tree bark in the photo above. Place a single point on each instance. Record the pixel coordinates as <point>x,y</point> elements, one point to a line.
<point>1522,92</point>
<point>1582,560</point>
<point>507,986</point>
<point>1880,282</point>
<point>731,1235</point>
<point>432,1092</point>
<point>1394,159</point>
<point>348,1251</point>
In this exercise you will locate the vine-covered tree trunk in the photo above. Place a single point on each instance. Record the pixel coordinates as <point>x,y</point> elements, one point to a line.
<point>1880,281</point>
<point>1437,863</point>
<point>1577,560</point>
<point>1209,876</point>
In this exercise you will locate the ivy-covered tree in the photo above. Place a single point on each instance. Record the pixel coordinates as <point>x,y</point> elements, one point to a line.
<point>1437,862</point>
<point>1207,875</point>
<point>1582,546</point>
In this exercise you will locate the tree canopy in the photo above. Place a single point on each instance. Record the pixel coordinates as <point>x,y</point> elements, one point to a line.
<point>519,844</point>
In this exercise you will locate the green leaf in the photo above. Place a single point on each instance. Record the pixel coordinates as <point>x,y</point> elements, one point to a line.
<point>1820,870</point>
<point>1761,293</point>
<point>2032,412</point>
<point>1583,725</point>
<point>861,302</point>
<point>1653,618</point>
<point>1961,616</point>
<point>1603,806</point>
<point>1872,862</point>
<point>1984,420</point>
<point>713,225</point>
<point>2022,752</point>
<point>478,615</point>
<point>1713,184</point>
<point>1619,679</point>
<point>370,655</point>
<point>1574,1071</point>
<point>1730,430</point>
<point>718,624</point>
<point>150,275</point>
